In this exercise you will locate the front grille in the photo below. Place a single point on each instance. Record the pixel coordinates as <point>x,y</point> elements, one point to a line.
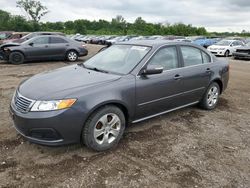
<point>243,51</point>
<point>22,104</point>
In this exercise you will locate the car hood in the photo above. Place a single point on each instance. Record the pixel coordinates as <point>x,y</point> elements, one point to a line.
<point>62,82</point>
<point>218,46</point>
<point>9,44</point>
<point>244,48</point>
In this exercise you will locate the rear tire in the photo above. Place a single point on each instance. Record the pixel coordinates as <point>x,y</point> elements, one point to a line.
<point>104,128</point>
<point>72,56</point>
<point>211,97</point>
<point>16,58</point>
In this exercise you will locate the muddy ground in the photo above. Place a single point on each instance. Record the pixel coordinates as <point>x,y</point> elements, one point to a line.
<point>186,148</point>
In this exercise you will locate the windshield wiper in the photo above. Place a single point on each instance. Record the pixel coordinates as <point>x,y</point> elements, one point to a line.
<point>97,70</point>
<point>94,69</point>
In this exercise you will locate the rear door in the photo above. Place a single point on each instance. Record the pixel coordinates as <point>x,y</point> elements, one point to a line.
<point>58,46</point>
<point>160,92</point>
<point>195,73</point>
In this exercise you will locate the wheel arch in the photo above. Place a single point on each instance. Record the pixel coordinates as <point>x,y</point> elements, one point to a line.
<point>72,49</point>
<point>219,82</point>
<point>118,104</point>
<point>16,50</point>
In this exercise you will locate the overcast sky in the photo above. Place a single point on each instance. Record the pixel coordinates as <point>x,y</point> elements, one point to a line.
<point>214,15</point>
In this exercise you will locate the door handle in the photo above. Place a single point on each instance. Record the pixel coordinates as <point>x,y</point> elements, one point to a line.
<point>208,70</point>
<point>46,46</point>
<point>177,77</point>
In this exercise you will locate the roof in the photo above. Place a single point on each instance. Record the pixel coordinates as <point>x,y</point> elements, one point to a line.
<point>156,43</point>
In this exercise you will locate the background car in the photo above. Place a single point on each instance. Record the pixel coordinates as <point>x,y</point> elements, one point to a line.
<point>4,35</point>
<point>225,47</point>
<point>46,47</point>
<point>34,34</point>
<point>14,37</point>
<point>242,52</point>
<point>92,102</point>
<point>205,42</point>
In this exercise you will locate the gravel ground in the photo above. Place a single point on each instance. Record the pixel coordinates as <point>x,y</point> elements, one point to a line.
<point>186,148</point>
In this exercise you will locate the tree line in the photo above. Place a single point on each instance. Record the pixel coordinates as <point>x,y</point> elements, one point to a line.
<point>117,26</point>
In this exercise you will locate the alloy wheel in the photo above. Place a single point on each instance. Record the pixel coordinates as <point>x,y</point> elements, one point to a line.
<point>72,56</point>
<point>107,129</point>
<point>212,96</point>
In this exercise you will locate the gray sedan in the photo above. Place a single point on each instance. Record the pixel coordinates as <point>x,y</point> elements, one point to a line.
<point>126,83</point>
<point>46,47</point>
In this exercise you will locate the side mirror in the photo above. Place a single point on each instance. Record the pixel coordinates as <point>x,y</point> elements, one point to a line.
<point>152,69</point>
<point>31,44</point>
<point>231,45</point>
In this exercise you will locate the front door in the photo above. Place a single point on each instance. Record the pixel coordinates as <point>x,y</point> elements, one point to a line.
<point>160,92</point>
<point>39,48</point>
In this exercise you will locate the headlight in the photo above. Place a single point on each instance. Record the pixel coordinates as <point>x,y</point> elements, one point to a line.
<point>41,106</point>
<point>6,49</point>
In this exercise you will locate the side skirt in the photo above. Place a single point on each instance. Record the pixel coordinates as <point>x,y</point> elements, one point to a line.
<point>165,112</point>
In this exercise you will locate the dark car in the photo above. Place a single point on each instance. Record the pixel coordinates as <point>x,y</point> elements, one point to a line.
<point>93,102</point>
<point>44,47</point>
<point>242,52</point>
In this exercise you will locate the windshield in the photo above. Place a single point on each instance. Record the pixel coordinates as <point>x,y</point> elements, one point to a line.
<point>29,36</point>
<point>120,59</point>
<point>224,43</point>
<point>27,41</point>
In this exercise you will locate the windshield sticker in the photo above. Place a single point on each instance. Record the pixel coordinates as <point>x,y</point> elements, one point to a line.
<point>142,48</point>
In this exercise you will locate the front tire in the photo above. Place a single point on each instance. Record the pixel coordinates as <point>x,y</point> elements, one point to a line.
<point>16,58</point>
<point>211,97</point>
<point>104,128</point>
<point>72,56</point>
<point>227,53</point>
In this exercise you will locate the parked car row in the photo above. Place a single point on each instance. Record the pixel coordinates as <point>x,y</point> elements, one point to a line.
<point>217,46</point>
<point>18,47</point>
<point>42,46</point>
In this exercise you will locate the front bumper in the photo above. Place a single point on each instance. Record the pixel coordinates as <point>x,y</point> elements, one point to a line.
<point>217,52</point>
<point>241,55</point>
<point>83,52</point>
<point>3,56</point>
<point>52,128</point>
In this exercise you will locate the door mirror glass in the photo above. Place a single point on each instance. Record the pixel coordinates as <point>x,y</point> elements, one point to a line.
<point>152,69</point>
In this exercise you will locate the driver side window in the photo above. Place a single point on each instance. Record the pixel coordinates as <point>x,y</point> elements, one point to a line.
<point>166,58</point>
<point>40,41</point>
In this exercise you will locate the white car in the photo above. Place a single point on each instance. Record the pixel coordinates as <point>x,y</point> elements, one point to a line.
<point>225,47</point>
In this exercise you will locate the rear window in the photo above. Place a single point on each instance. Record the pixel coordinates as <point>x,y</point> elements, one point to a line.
<point>206,58</point>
